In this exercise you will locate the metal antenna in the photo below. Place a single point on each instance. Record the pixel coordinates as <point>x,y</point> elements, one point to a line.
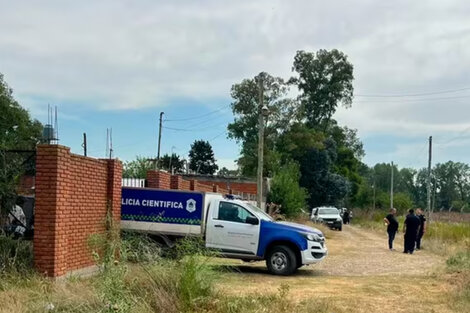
<point>107,142</point>
<point>56,137</point>
<point>84,144</point>
<point>110,143</point>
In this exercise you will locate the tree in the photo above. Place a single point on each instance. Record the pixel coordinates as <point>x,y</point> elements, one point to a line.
<point>285,190</point>
<point>452,184</point>
<point>227,173</point>
<point>246,109</point>
<point>323,185</point>
<point>202,159</point>
<point>325,81</point>
<point>172,163</point>
<point>17,132</point>
<point>138,168</point>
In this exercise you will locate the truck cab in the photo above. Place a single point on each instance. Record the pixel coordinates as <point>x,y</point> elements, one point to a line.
<point>240,230</point>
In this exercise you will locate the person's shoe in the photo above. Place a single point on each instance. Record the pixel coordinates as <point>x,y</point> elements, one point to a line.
<point>392,249</point>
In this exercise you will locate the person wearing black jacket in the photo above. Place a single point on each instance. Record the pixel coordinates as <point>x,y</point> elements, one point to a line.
<point>392,227</point>
<point>411,229</point>
<point>422,228</point>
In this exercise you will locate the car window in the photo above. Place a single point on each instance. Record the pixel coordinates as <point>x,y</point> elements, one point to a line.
<point>328,211</point>
<point>233,212</point>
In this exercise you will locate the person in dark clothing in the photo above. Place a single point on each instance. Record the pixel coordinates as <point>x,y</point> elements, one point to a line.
<point>346,216</point>
<point>392,227</point>
<point>411,229</point>
<point>422,228</point>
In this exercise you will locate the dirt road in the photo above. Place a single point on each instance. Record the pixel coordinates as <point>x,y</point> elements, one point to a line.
<point>359,275</point>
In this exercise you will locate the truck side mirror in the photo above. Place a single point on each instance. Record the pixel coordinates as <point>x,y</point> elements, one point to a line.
<point>252,220</point>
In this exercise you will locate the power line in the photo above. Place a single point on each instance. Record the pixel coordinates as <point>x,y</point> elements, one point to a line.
<point>413,94</point>
<point>414,100</point>
<point>199,116</point>
<point>217,136</point>
<point>192,129</point>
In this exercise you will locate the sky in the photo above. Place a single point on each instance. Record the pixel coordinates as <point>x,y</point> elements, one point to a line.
<point>118,64</point>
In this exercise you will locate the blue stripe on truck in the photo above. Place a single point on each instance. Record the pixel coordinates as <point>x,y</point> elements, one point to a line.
<point>271,231</point>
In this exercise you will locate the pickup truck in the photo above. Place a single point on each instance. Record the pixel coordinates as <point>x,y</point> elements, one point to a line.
<point>329,216</point>
<point>236,229</point>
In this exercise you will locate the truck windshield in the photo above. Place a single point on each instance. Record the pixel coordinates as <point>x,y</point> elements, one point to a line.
<point>329,211</point>
<point>260,213</point>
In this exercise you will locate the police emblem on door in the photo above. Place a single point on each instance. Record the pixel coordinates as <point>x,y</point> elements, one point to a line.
<point>191,205</point>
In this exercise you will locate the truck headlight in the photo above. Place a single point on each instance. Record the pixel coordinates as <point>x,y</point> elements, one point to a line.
<point>338,220</point>
<point>312,237</point>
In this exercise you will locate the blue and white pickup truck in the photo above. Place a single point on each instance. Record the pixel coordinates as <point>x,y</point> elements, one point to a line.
<point>233,227</point>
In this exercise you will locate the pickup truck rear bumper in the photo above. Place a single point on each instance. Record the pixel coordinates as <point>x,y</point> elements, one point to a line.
<point>315,252</point>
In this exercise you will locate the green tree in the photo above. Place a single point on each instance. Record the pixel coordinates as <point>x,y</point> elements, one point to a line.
<point>18,131</point>
<point>285,190</point>
<point>246,109</point>
<point>172,163</point>
<point>202,159</point>
<point>325,187</point>
<point>452,185</point>
<point>138,168</point>
<point>325,81</point>
<point>227,173</point>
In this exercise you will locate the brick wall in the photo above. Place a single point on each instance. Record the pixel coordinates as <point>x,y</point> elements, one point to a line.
<point>245,187</point>
<point>197,186</point>
<point>73,194</point>
<point>158,179</point>
<point>178,183</point>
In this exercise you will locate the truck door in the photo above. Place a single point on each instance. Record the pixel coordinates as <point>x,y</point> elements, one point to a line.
<point>228,230</point>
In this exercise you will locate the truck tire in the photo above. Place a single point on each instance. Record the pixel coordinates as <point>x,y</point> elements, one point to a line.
<point>281,260</point>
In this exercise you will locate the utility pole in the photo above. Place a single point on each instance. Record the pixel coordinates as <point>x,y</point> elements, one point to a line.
<point>373,187</point>
<point>159,140</point>
<point>84,144</point>
<point>428,180</point>
<point>259,184</point>
<point>391,189</point>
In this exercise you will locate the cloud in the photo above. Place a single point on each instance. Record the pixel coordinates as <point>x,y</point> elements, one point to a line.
<point>121,55</point>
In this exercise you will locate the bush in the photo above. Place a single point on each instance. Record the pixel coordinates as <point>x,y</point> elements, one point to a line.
<point>16,255</point>
<point>139,248</point>
<point>459,261</point>
<point>285,190</point>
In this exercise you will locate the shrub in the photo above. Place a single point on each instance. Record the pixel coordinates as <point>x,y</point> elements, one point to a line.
<point>286,191</point>
<point>459,261</point>
<point>16,255</point>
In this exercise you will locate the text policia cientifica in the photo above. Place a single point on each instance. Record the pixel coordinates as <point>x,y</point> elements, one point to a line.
<point>153,203</point>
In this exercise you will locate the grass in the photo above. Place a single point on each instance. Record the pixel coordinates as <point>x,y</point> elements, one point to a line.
<point>141,280</point>
<point>444,237</point>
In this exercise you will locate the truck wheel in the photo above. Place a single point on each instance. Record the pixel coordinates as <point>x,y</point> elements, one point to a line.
<point>281,261</point>
<point>340,228</point>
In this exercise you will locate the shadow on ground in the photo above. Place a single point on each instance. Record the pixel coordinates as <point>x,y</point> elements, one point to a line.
<point>262,270</point>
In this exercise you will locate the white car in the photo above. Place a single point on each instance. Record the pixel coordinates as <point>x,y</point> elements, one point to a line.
<point>329,216</point>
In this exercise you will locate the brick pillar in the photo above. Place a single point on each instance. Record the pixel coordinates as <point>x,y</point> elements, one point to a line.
<point>158,179</point>
<point>114,188</point>
<point>176,182</point>
<point>193,184</point>
<point>50,244</point>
